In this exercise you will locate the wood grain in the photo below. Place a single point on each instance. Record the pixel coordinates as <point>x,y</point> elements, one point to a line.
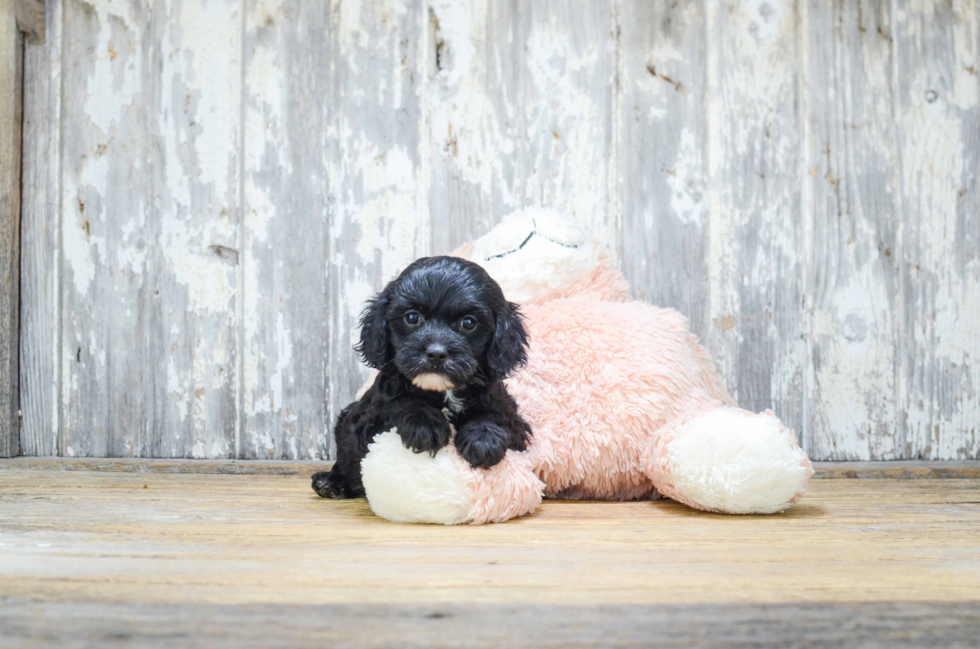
<point>11,115</point>
<point>520,113</point>
<point>854,270</point>
<point>331,174</point>
<point>41,259</point>
<point>906,470</point>
<point>30,18</point>
<point>378,223</point>
<point>662,135</point>
<point>755,233</point>
<point>149,225</point>
<point>285,333</point>
<point>261,539</point>
<point>855,624</point>
<point>937,107</point>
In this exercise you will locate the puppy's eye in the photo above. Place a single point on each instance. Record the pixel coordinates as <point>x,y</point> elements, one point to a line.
<point>468,323</point>
<point>413,318</point>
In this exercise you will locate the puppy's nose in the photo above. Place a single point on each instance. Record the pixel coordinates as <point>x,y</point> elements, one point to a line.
<point>436,352</point>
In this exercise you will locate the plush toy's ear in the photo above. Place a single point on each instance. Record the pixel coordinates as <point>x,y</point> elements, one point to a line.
<point>508,349</point>
<point>375,347</point>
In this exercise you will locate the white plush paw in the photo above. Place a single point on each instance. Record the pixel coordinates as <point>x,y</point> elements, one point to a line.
<point>730,460</point>
<point>407,487</point>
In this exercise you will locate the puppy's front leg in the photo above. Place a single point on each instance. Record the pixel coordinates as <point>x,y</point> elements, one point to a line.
<point>482,442</point>
<point>422,427</point>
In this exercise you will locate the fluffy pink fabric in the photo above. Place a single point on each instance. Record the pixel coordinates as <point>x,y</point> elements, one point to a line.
<point>595,403</point>
<point>603,283</point>
<point>510,489</point>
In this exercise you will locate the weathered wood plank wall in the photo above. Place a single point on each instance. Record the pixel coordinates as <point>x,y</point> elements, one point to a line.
<point>11,90</point>
<point>40,350</point>
<point>20,20</point>
<point>213,187</point>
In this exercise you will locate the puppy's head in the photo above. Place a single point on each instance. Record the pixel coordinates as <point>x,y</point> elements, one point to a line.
<point>443,323</point>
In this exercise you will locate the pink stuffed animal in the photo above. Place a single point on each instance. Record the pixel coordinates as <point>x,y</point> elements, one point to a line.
<point>624,402</point>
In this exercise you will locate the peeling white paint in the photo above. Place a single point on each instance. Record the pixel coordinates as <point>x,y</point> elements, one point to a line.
<point>283,359</point>
<point>123,77</point>
<point>940,110</point>
<point>78,255</point>
<point>686,181</point>
<point>177,390</point>
<point>753,249</point>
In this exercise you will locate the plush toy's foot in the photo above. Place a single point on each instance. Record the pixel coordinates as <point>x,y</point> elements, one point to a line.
<point>407,487</point>
<point>729,460</point>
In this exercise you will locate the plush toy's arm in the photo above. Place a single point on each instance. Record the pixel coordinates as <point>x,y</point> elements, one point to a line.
<point>407,487</point>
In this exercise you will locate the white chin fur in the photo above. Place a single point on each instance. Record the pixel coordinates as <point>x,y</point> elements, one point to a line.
<point>433,382</point>
<point>407,487</point>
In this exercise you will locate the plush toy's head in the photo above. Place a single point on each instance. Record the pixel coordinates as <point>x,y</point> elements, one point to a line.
<point>536,255</point>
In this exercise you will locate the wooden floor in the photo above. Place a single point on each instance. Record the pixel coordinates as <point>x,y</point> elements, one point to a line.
<point>165,557</point>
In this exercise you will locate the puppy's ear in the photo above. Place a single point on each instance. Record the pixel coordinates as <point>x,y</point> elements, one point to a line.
<point>375,347</point>
<point>508,349</point>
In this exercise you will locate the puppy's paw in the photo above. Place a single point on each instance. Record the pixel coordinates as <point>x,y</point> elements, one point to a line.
<point>328,484</point>
<point>424,430</point>
<point>481,443</point>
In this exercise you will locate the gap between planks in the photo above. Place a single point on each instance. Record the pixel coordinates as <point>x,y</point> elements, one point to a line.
<point>904,469</point>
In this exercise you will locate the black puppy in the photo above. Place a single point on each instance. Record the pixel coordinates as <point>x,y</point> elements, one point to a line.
<point>444,338</point>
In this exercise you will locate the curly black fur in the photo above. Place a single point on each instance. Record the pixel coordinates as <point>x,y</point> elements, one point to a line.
<point>467,334</point>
